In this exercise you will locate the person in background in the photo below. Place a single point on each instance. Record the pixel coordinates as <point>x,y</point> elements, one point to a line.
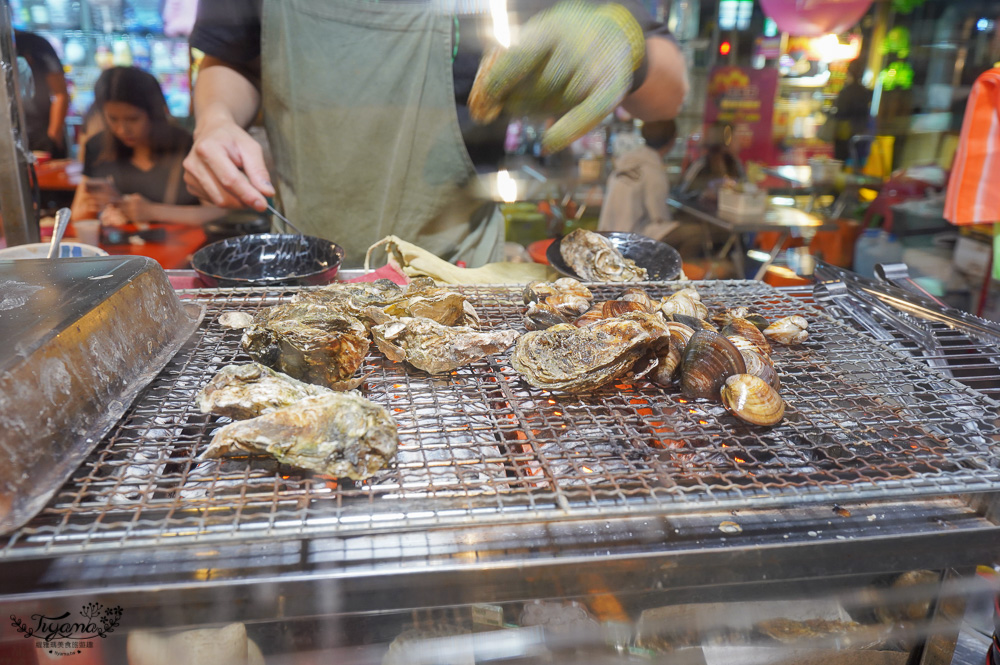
<point>853,110</point>
<point>46,98</point>
<point>379,115</point>
<point>635,199</point>
<point>717,162</point>
<point>133,170</point>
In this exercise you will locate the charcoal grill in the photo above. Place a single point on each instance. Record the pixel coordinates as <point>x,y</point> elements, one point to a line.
<point>480,447</point>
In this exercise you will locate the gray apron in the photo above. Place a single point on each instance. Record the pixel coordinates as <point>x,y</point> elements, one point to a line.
<point>359,106</point>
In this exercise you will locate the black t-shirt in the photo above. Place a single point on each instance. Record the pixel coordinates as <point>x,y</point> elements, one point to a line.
<point>42,60</point>
<point>130,179</point>
<point>230,30</point>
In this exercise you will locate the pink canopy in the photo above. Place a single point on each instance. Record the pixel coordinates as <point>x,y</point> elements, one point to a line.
<point>812,18</point>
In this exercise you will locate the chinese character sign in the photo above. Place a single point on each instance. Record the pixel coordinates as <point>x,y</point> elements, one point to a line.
<point>743,98</point>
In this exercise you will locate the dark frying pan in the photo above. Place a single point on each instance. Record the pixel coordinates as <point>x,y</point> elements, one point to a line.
<point>661,261</point>
<point>268,259</point>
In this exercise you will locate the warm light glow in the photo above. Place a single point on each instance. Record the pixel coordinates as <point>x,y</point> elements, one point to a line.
<point>501,24</point>
<point>506,187</point>
<point>828,48</point>
<point>725,48</point>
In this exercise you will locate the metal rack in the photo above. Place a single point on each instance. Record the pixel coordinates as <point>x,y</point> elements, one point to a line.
<point>480,447</point>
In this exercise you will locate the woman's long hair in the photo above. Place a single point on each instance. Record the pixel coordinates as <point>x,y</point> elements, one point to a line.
<point>140,89</point>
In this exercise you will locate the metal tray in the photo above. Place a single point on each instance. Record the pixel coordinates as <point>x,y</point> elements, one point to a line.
<point>82,338</point>
<point>480,446</point>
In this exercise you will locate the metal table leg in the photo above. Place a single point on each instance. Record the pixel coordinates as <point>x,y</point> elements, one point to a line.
<point>774,253</point>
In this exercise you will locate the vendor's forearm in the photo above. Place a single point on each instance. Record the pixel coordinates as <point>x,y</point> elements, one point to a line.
<point>224,93</point>
<point>192,214</point>
<point>57,113</point>
<point>662,92</point>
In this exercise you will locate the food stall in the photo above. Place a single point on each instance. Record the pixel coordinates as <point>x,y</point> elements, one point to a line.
<point>619,521</point>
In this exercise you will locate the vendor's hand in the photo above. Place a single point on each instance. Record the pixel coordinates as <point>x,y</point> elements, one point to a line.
<point>112,216</point>
<point>577,57</point>
<point>136,208</point>
<point>226,167</point>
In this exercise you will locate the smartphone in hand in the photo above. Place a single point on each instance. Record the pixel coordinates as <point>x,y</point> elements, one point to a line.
<point>103,188</point>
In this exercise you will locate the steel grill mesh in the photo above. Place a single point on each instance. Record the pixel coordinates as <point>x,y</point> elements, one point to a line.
<point>479,445</point>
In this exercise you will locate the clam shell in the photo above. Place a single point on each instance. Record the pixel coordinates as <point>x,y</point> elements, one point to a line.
<point>708,360</point>
<point>680,303</point>
<point>744,328</point>
<point>692,322</point>
<point>540,316</point>
<point>750,398</point>
<point>639,295</point>
<point>568,304</point>
<point>760,365</point>
<point>788,330</point>
<point>612,308</point>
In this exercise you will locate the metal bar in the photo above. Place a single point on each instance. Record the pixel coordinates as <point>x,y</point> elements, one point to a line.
<point>20,222</point>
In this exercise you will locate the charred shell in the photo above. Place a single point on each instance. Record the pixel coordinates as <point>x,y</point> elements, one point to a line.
<point>709,359</point>
<point>437,348</point>
<point>595,259</point>
<point>337,434</point>
<point>573,359</point>
<point>309,341</point>
<point>247,391</point>
<point>750,398</point>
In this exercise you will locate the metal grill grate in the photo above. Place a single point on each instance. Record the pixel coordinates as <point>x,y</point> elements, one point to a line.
<point>480,445</point>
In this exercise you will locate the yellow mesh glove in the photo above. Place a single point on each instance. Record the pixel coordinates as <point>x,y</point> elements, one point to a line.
<point>576,58</point>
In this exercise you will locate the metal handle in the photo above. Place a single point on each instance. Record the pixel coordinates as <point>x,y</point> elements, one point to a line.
<point>62,221</point>
<point>283,219</point>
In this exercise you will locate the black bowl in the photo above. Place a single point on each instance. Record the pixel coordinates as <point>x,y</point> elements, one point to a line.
<point>268,259</point>
<point>661,261</point>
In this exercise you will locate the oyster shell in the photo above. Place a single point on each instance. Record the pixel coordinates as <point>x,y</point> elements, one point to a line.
<point>538,291</point>
<point>595,259</point>
<point>789,330</point>
<point>235,320</point>
<point>573,359</point>
<point>337,434</point>
<point>437,348</point>
<point>750,398</point>
<point>246,391</point>
<point>310,341</point>
<point>709,359</point>
<point>421,298</point>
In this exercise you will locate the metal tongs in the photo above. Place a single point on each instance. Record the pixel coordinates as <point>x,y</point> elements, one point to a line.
<point>868,301</point>
<point>62,221</point>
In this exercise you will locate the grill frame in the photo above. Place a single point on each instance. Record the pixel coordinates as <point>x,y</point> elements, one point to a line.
<point>300,505</point>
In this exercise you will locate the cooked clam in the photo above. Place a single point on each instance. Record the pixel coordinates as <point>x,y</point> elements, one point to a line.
<point>709,359</point>
<point>437,348</point>
<point>743,328</point>
<point>686,302</point>
<point>639,295</point>
<point>789,330</point>
<point>760,365</point>
<point>538,291</point>
<point>558,308</point>
<point>594,258</point>
<point>692,322</point>
<point>573,359</point>
<point>246,391</point>
<point>308,340</point>
<point>750,398</point>
<point>337,434</point>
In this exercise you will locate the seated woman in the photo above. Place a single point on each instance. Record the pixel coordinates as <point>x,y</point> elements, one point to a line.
<point>132,169</point>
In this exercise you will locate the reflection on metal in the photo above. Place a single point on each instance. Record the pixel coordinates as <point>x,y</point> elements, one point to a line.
<point>20,225</point>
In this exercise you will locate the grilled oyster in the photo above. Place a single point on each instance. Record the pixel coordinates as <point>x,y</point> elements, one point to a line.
<point>310,341</point>
<point>573,359</point>
<point>420,298</point>
<point>337,434</point>
<point>246,391</point>
<point>594,258</point>
<point>436,348</point>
